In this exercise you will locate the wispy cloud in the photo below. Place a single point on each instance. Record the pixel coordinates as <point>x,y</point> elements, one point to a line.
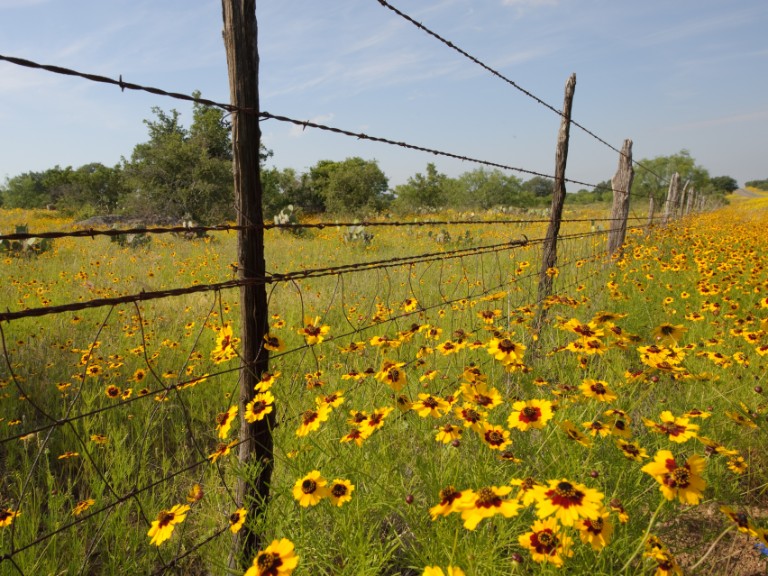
<point>728,18</point>
<point>721,121</point>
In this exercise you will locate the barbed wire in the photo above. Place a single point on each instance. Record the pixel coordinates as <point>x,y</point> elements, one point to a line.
<point>278,277</point>
<point>512,83</point>
<point>269,116</point>
<point>182,230</point>
<point>191,382</point>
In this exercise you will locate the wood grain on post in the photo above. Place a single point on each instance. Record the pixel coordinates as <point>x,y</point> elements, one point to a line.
<point>674,185</point>
<point>255,456</point>
<point>549,254</point>
<point>621,184</point>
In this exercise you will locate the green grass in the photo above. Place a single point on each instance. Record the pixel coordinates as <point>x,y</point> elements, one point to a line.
<point>154,441</point>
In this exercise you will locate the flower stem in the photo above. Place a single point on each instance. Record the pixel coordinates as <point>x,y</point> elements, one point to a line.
<point>645,536</point>
<point>712,547</point>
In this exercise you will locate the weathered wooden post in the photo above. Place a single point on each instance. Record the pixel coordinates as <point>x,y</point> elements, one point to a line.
<point>549,253</point>
<point>689,202</point>
<point>621,184</point>
<point>674,184</point>
<point>255,452</point>
<point>651,210</point>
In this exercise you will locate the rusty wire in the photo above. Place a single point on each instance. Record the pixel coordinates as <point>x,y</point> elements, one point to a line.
<point>269,116</point>
<point>143,296</point>
<point>113,232</point>
<point>512,83</point>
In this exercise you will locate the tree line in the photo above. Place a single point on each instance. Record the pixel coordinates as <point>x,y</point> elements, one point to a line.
<point>186,173</point>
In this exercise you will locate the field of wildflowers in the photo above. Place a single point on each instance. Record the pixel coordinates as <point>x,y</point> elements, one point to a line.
<point>425,423</point>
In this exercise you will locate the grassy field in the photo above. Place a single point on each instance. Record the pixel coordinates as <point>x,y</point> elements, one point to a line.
<point>627,436</point>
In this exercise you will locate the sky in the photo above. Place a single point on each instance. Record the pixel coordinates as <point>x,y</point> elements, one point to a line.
<point>669,74</point>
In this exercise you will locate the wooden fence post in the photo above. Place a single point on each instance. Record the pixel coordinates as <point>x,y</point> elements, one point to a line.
<point>549,253</point>
<point>674,184</point>
<point>621,184</point>
<point>651,210</point>
<point>255,451</point>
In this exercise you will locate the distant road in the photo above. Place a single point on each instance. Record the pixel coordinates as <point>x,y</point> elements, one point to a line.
<point>747,193</point>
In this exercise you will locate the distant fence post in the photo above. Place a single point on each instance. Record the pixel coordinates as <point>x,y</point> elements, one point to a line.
<point>651,210</point>
<point>621,184</point>
<point>674,185</point>
<point>255,452</point>
<point>549,253</point>
<point>691,197</point>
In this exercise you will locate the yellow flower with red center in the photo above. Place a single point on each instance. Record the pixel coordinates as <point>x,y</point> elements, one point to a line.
<point>677,429</point>
<point>7,516</point>
<point>428,405</point>
<point>313,331</point>
<point>546,542</point>
<point>340,491</point>
<point>506,351</point>
<point>495,437</point>
<point>524,493</point>
<point>598,389</point>
<point>480,394</point>
<point>311,420</point>
<point>486,503</point>
<point>333,400</point>
<point>740,519</point>
<point>278,559</point>
<point>266,381</point>
<point>236,520</point>
<point>82,506</point>
<point>632,450</point>
<point>310,489</point>
<point>258,408</point>
<point>375,420</point>
<point>222,450</point>
<point>596,531</point>
<point>224,421</point>
<point>471,416</point>
<point>668,334</point>
<point>392,374</point>
<point>448,433</point>
<point>528,414</point>
<point>273,343</point>
<point>681,481</point>
<point>574,433</point>
<point>226,344</point>
<point>162,528</point>
<point>450,347</point>
<point>568,501</point>
<point>451,500</point>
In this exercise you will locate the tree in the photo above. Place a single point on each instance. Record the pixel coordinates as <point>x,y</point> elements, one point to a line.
<point>281,188</point>
<point>759,184</point>
<point>724,184</point>
<point>484,189</point>
<point>353,186</point>
<point>180,173</point>
<point>652,176</point>
<point>423,191</point>
<point>539,186</point>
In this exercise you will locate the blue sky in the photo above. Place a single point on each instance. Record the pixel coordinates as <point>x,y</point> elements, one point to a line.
<point>670,74</point>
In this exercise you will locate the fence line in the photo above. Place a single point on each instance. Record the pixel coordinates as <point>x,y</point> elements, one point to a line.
<point>245,367</point>
<point>268,116</point>
<point>112,232</point>
<point>192,382</point>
